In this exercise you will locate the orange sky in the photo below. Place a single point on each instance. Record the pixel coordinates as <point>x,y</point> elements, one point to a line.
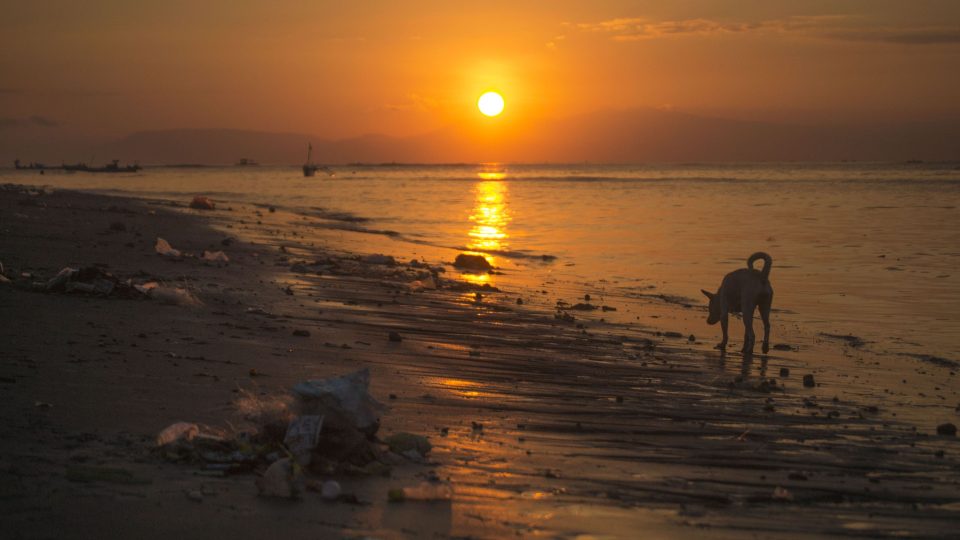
<point>341,69</point>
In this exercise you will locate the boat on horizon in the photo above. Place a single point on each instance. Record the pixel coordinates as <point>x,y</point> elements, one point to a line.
<point>310,168</point>
<point>32,166</point>
<point>246,162</point>
<point>112,167</point>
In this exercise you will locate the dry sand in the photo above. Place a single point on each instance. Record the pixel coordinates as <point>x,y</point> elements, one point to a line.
<point>589,428</point>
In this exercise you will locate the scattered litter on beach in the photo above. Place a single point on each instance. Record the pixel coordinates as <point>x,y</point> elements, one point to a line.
<point>176,432</point>
<point>215,256</point>
<point>202,203</point>
<point>324,427</point>
<point>164,248</point>
<point>174,296</point>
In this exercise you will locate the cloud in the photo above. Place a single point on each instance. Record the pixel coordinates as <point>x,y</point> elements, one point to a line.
<point>830,27</point>
<point>413,102</point>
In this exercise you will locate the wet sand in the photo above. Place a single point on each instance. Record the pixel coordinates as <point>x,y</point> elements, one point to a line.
<point>589,427</point>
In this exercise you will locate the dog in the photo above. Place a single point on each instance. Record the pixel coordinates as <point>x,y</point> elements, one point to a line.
<point>742,291</point>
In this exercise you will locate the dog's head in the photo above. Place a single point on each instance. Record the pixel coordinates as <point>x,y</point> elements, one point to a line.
<point>714,314</point>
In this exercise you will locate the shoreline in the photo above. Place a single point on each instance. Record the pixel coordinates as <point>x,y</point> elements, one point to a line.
<point>622,428</point>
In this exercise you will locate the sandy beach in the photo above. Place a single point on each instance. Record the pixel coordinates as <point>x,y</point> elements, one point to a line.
<point>548,422</point>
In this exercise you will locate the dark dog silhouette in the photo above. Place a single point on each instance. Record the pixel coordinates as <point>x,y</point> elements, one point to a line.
<point>742,291</point>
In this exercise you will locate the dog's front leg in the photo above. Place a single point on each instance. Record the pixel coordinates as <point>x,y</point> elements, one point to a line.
<point>723,326</point>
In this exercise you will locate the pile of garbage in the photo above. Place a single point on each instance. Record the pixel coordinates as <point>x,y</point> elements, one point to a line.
<point>95,281</point>
<point>327,427</point>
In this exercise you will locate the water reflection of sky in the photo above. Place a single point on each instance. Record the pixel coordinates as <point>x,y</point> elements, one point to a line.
<point>490,217</point>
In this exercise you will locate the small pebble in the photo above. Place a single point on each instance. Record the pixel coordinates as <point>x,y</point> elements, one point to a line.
<point>808,381</point>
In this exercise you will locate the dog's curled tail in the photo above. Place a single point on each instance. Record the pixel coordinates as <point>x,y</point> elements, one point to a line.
<point>767,263</point>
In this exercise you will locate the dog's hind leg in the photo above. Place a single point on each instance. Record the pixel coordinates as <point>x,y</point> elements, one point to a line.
<point>765,317</point>
<point>748,336</point>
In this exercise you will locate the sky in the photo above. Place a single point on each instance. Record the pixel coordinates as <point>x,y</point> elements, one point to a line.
<point>107,68</point>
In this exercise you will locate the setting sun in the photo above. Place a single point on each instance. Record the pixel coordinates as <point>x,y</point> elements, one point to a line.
<point>490,103</point>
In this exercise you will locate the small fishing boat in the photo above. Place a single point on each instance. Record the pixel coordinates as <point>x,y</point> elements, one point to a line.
<point>112,167</point>
<point>309,168</point>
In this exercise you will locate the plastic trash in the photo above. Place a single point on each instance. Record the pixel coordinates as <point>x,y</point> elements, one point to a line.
<point>164,248</point>
<point>330,490</point>
<point>202,203</point>
<point>302,436</point>
<point>174,295</point>
<point>342,400</point>
<point>60,280</point>
<point>282,479</point>
<point>426,491</point>
<point>176,432</point>
<point>426,284</point>
<point>145,288</point>
<point>215,256</point>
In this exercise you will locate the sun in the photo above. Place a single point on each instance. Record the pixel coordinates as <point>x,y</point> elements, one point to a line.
<point>490,103</point>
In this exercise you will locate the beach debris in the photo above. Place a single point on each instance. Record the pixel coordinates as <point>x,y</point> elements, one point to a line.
<point>89,280</point>
<point>282,479</point>
<point>301,333</point>
<point>426,284</point>
<point>672,334</point>
<point>302,436</point>
<point>180,431</point>
<point>477,263</point>
<point>808,381</point>
<point>215,256</point>
<point>692,338</point>
<point>395,337</point>
<point>583,307</point>
<point>425,491</point>
<point>345,401</point>
<point>783,347</point>
<point>164,248</point>
<point>330,490</point>
<point>145,288</point>
<point>202,203</point>
<point>409,445</point>
<point>519,301</point>
<point>174,296</point>
<point>378,258</point>
<point>947,429</point>
<point>784,372</point>
<point>781,494</point>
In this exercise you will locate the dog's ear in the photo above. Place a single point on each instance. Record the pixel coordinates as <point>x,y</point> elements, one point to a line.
<point>706,293</point>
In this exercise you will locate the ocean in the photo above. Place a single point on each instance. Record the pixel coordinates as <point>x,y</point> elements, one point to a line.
<point>864,249</point>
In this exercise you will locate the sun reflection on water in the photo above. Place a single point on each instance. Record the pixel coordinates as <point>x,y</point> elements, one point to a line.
<point>490,218</point>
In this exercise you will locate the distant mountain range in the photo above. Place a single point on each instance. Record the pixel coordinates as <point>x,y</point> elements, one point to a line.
<point>634,136</point>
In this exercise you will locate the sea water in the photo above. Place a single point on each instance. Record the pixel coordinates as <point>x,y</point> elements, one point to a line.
<point>868,249</point>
